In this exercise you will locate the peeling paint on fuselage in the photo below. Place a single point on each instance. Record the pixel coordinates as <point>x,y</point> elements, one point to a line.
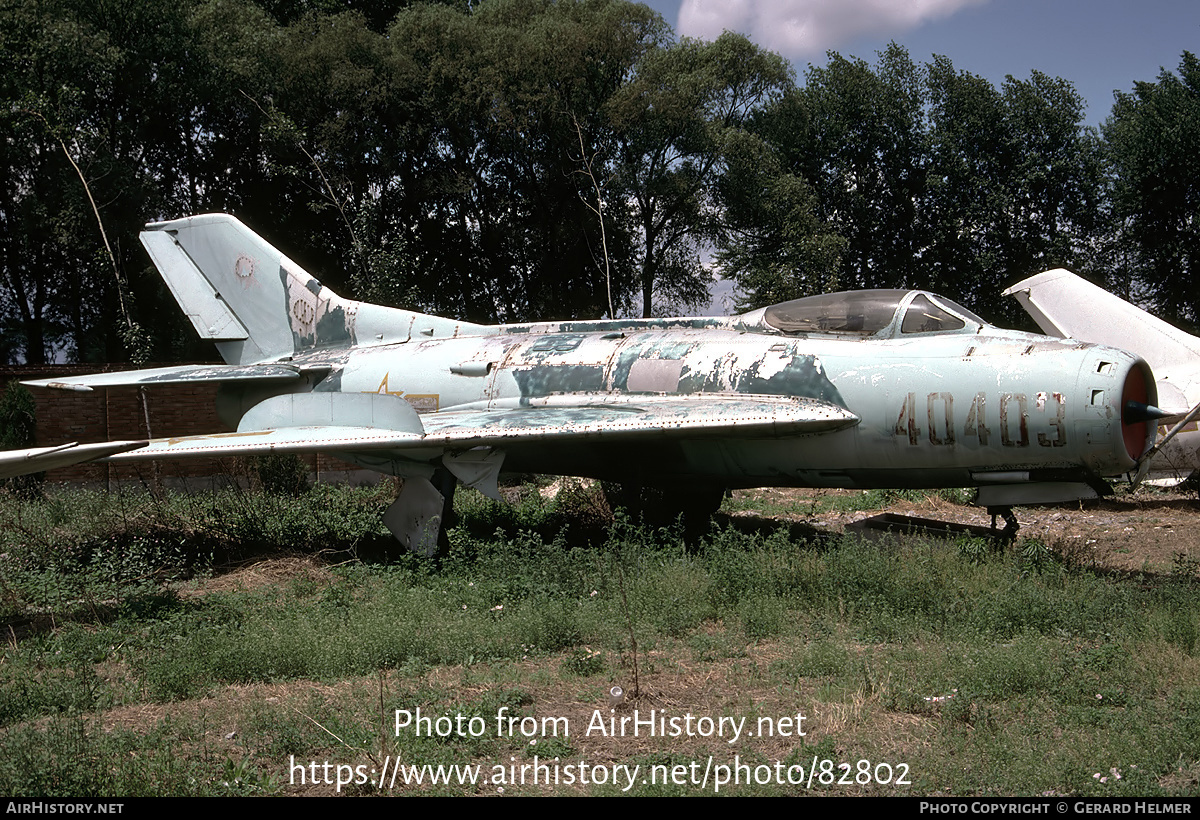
<point>318,317</point>
<point>956,407</point>
<point>771,374</point>
<point>551,379</point>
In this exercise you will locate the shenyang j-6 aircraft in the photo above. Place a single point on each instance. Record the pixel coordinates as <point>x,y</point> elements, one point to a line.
<point>1064,304</point>
<point>862,389</point>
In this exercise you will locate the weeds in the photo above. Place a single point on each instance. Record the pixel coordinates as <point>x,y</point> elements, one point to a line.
<point>983,656</point>
<point>1184,565</point>
<point>281,474</point>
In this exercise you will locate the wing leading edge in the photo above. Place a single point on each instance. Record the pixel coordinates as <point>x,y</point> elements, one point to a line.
<point>180,374</point>
<point>38,459</point>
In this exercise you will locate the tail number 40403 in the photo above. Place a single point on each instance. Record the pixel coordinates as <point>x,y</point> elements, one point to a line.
<point>936,420</point>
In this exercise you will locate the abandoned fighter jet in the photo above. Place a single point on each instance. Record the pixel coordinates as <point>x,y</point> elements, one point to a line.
<point>863,389</point>
<point>1066,305</point>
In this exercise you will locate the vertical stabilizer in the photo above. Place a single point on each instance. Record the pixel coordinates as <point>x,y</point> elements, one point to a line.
<point>1064,304</point>
<point>242,293</point>
<point>259,306</point>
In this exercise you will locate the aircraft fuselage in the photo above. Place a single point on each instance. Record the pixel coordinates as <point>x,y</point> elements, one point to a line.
<point>935,410</point>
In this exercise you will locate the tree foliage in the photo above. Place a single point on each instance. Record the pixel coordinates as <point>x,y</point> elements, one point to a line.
<point>772,243</point>
<point>674,124</point>
<point>429,154</point>
<point>920,176</point>
<point>515,160</point>
<point>1153,138</point>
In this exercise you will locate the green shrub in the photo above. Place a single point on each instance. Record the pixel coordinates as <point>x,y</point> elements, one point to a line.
<point>282,474</point>
<point>584,661</point>
<point>18,431</point>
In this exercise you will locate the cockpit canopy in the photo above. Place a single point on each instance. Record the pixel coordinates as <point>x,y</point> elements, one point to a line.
<point>884,314</point>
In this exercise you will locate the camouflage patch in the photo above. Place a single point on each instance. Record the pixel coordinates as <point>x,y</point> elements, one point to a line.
<point>799,376</point>
<point>543,380</point>
<point>556,344</point>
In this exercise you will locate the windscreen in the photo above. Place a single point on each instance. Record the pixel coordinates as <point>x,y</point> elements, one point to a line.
<point>923,316</point>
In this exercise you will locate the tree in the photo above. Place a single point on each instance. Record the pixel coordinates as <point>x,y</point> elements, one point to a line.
<point>98,98</point>
<point>920,177</point>
<point>1016,183</point>
<point>489,202</point>
<point>772,243</point>
<point>50,69</point>
<point>861,145</point>
<point>1153,138</point>
<point>673,122</point>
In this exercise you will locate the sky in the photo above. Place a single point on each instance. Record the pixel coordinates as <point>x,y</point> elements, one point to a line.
<point>1100,46</point>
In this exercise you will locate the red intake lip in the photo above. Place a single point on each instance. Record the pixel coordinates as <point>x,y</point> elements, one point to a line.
<point>1136,433</point>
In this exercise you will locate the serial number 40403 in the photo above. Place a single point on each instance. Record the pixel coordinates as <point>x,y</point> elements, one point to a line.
<point>938,417</point>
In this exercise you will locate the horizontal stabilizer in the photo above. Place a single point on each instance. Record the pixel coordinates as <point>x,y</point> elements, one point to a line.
<point>181,374</point>
<point>39,459</point>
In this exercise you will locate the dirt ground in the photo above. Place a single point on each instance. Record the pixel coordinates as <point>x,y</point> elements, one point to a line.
<point>1146,530</point>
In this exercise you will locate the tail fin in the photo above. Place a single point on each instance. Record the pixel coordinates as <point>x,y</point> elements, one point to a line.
<point>258,305</point>
<point>1064,304</point>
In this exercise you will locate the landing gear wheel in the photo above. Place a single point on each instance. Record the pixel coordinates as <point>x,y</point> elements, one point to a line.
<point>662,507</point>
<point>1011,525</point>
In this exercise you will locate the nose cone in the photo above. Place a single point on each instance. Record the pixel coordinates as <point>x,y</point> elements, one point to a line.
<point>1116,419</point>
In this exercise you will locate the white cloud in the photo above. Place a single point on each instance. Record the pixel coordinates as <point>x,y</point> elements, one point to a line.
<point>809,28</point>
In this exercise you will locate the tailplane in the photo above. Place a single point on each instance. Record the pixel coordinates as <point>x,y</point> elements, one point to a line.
<point>1064,304</point>
<point>259,306</point>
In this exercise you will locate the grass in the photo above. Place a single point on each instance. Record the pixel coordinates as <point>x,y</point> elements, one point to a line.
<point>203,644</point>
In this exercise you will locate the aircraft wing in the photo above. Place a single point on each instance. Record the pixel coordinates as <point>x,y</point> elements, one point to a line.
<point>180,374</point>
<point>367,422</point>
<point>38,459</point>
<point>388,426</point>
<point>360,422</point>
